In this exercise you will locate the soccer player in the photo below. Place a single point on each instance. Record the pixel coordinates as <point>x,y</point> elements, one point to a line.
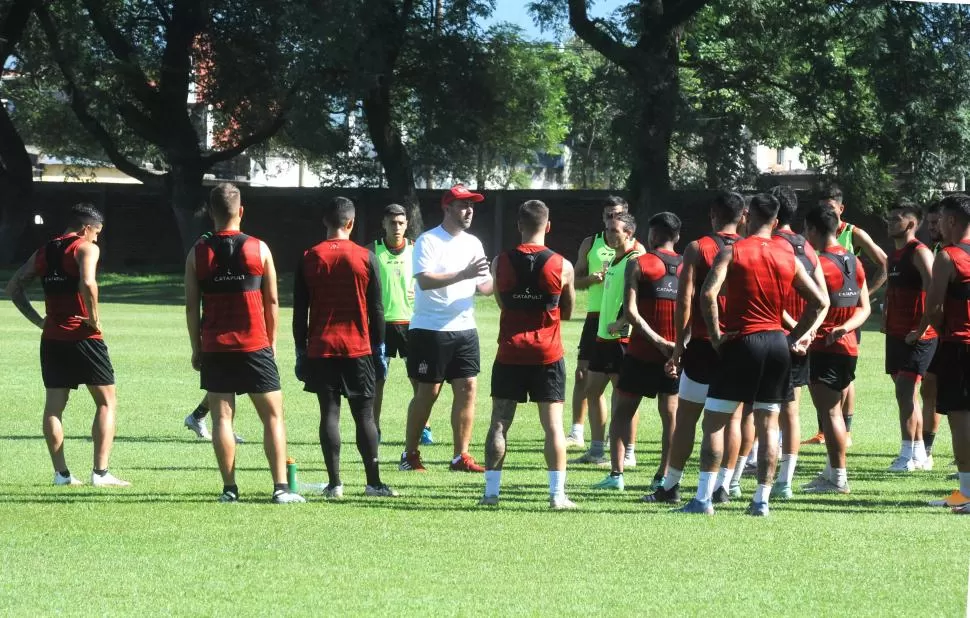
<point>449,268</point>
<point>948,308</point>
<point>927,391</point>
<point>833,353</point>
<point>754,362</point>
<point>910,268</point>
<point>855,240</point>
<point>612,336</point>
<point>595,256</point>
<point>534,290</point>
<point>650,295</point>
<point>395,254</point>
<point>788,420</point>
<point>693,358</point>
<point>72,349</point>
<point>234,348</point>
<point>338,321</point>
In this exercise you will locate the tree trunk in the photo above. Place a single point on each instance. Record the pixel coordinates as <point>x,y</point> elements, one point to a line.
<point>710,147</point>
<point>16,189</point>
<point>186,196</point>
<point>392,154</point>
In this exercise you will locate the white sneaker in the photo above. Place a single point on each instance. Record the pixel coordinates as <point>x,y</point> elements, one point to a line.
<point>69,480</point>
<point>108,480</point>
<point>488,501</point>
<point>630,460</point>
<point>286,497</point>
<point>197,426</point>
<point>380,491</point>
<point>333,492</point>
<point>561,503</point>
<point>574,441</point>
<point>925,464</point>
<point>826,486</point>
<point>902,464</point>
<point>239,438</point>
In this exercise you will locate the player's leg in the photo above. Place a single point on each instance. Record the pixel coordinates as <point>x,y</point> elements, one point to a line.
<point>223,408</point>
<point>766,426</point>
<point>55,401</point>
<point>329,400</point>
<point>667,409</point>
<point>621,433</point>
<point>959,422</point>
<point>746,452</point>
<point>690,406</point>
<point>503,413</point>
<point>790,428</point>
<point>269,407</point>
<point>910,420</point>
<point>463,412</point>
<point>714,424</point>
<point>550,417</point>
<point>732,447</point>
<point>931,418</point>
<point>577,437</point>
<point>358,384</point>
<point>195,421</point>
<point>103,433</point>
<point>829,402</point>
<point>461,371</point>
<point>848,412</point>
<point>595,388</point>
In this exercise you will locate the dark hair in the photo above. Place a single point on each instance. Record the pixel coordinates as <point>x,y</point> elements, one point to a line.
<point>613,201</point>
<point>787,203</point>
<point>832,192</point>
<point>666,224</point>
<point>85,214</point>
<point>533,215</point>
<point>225,200</point>
<point>395,210</point>
<point>957,205</point>
<point>822,218</point>
<point>629,222</point>
<point>339,212</point>
<point>933,208</point>
<point>727,206</point>
<point>763,207</point>
<point>908,208</point>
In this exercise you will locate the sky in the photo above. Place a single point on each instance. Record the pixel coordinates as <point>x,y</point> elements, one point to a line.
<point>517,12</point>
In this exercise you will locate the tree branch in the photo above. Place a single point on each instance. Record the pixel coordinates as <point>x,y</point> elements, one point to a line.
<point>163,12</point>
<point>256,137</point>
<point>676,12</point>
<point>124,52</point>
<point>79,104</point>
<point>14,24</point>
<point>613,50</point>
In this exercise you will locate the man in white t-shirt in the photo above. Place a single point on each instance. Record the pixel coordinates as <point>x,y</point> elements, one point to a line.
<point>449,267</point>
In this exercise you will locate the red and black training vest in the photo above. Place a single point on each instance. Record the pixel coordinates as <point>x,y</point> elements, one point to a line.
<point>656,302</point>
<point>794,303</point>
<point>229,269</point>
<point>707,249</point>
<point>56,265</point>
<point>905,296</point>
<point>956,307</point>
<point>529,285</point>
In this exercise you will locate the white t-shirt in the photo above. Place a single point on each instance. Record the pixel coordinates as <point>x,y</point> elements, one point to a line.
<point>451,308</point>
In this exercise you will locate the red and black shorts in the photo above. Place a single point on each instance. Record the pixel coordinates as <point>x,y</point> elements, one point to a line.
<point>607,356</point>
<point>240,372</point>
<point>587,340</point>
<point>951,365</point>
<point>441,356</point>
<point>68,364</point>
<point>915,359</point>
<point>645,379</point>
<point>351,377</point>
<point>835,371</point>
<point>537,383</point>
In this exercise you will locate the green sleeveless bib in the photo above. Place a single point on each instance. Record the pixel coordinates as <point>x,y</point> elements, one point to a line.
<point>612,301</point>
<point>397,281</point>
<point>599,252</point>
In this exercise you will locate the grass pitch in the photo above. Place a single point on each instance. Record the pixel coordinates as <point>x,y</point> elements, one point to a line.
<point>165,546</point>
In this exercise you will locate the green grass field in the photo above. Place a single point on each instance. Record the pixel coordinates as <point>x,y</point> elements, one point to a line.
<point>165,546</point>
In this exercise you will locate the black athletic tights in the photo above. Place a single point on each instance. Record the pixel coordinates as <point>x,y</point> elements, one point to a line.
<point>362,408</point>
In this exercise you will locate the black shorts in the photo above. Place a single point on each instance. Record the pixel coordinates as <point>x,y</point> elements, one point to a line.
<point>350,377</point>
<point>644,379</point>
<point>442,356</point>
<point>587,340</point>
<point>396,341</point>
<point>68,364</point>
<point>904,358</point>
<point>799,370</point>
<point>607,356</point>
<point>755,368</point>
<point>240,372</point>
<point>699,361</point>
<point>951,366</point>
<point>537,383</point>
<point>836,371</point>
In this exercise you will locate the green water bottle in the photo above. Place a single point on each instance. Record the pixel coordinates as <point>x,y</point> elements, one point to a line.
<point>291,474</point>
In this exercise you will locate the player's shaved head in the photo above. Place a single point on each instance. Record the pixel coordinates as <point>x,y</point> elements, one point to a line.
<point>225,202</point>
<point>533,216</point>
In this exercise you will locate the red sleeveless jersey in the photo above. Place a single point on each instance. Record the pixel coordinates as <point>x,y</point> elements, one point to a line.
<point>56,265</point>
<point>656,301</point>
<point>905,296</point>
<point>844,277</point>
<point>528,280</point>
<point>707,249</point>
<point>956,307</point>
<point>805,253</point>
<point>337,274</point>
<point>758,280</point>
<point>229,268</point>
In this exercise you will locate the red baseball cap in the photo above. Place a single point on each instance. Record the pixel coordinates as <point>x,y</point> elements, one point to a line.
<point>459,192</point>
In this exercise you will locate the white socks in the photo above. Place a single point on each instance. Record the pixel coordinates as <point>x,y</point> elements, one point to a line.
<point>739,470</point>
<point>705,486</point>
<point>673,477</point>
<point>906,450</point>
<point>577,430</point>
<point>723,479</point>
<point>787,472</point>
<point>919,450</point>
<point>557,483</point>
<point>761,493</point>
<point>840,477</point>
<point>493,480</point>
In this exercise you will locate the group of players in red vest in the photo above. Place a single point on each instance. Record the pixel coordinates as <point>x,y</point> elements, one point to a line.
<point>733,328</point>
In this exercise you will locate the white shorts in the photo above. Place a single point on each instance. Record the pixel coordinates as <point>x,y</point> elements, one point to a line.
<point>725,406</point>
<point>691,391</point>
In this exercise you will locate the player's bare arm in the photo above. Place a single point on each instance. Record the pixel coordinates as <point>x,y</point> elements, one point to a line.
<point>923,261</point>
<point>875,253</point>
<point>193,310</point>
<point>631,281</point>
<point>271,297</point>
<point>856,320</point>
<point>494,271</point>
<point>87,262</point>
<point>819,277</point>
<point>709,293</point>
<point>567,296</point>
<point>682,310</point>
<point>17,291</point>
<point>817,305</point>
<point>943,272</point>
<point>487,287</point>
<point>584,278</point>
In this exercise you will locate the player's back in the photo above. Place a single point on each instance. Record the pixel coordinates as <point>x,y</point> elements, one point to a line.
<point>336,273</point>
<point>529,283</point>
